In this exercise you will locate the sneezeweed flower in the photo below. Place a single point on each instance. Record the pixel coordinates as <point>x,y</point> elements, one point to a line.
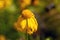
<point>2,37</point>
<point>5,3</point>
<point>8,3</point>
<point>26,22</point>
<point>24,3</point>
<point>36,2</point>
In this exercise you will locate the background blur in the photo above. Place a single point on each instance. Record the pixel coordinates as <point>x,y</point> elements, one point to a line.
<point>47,13</point>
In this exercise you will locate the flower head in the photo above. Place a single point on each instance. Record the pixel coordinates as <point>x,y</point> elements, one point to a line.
<point>27,13</point>
<point>5,3</point>
<point>8,3</point>
<point>24,3</point>
<point>36,2</point>
<point>26,22</point>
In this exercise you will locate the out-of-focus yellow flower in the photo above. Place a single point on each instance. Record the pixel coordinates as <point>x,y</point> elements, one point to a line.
<point>26,22</point>
<point>8,3</point>
<point>1,4</point>
<point>2,37</point>
<point>24,3</point>
<point>36,2</point>
<point>5,3</point>
<point>27,2</point>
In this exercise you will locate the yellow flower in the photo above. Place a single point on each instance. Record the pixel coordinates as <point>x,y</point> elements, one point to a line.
<point>1,4</point>
<point>36,2</point>
<point>2,37</point>
<point>27,2</point>
<point>26,23</point>
<point>8,3</point>
<point>5,3</point>
<point>24,3</point>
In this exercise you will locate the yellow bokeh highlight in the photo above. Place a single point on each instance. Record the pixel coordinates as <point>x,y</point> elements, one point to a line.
<point>1,4</point>
<point>2,37</point>
<point>8,3</point>
<point>5,3</point>
<point>27,2</point>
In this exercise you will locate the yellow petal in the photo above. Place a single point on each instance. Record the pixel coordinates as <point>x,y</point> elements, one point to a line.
<point>32,26</point>
<point>35,23</point>
<point>23,24</point>
<point>19,24</point>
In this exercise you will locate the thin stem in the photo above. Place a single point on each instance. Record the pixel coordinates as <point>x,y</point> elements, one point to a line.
<point>26,28</point>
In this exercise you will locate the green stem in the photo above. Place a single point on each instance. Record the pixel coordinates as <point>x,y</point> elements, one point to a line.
<point>26,28</point>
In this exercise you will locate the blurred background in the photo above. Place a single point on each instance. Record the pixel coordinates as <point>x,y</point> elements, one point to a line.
<point>47,13</point>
